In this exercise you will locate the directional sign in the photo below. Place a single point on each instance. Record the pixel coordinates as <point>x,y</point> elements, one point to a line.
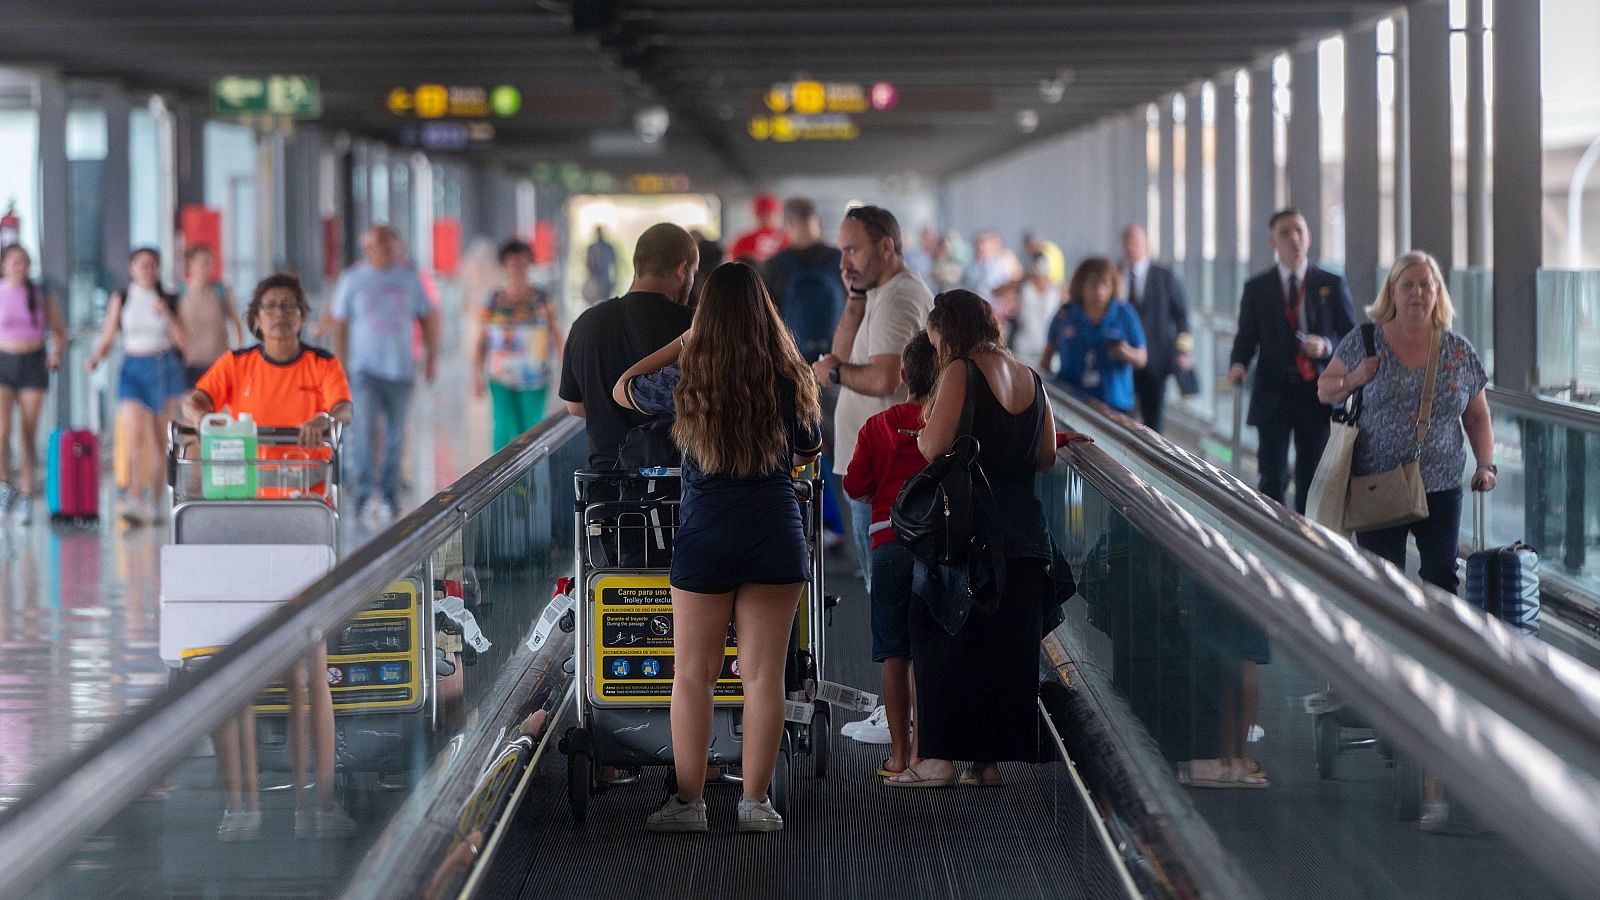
<point>454,101</point>
<point>290,96</point>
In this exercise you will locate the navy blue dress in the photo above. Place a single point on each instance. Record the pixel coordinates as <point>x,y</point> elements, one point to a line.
<point>734,531</point>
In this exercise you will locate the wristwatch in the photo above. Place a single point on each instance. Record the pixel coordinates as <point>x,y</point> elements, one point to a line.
<point>1493,470</point>
<point>833,375</point>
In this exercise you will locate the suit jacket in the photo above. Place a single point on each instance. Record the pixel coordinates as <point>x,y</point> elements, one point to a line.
<point>1264,328</point>
<point>1164,313</point>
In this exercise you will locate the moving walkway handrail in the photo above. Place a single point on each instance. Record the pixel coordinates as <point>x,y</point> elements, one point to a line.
<point>1546,409</point>
<point>87,789</point>
<point>1545,791</point>
<point>1526,674</point>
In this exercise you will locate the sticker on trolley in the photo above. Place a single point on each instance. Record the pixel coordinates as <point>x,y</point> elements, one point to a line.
<point>457,612</point>
<point>798,712</point>
<point>560,605</point>
<point>627,636</point>
<point>846,697</point>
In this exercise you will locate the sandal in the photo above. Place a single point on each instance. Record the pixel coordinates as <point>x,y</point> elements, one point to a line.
<point>885,772</point>
<point>1213,775</point>
<point>971,779</point>
<point>911,778</point>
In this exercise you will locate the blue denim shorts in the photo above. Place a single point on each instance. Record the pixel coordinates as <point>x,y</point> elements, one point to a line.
<point>891,601</point>
<point>152,380</point>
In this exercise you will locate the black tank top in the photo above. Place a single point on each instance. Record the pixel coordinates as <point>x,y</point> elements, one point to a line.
<point>1008,451</point>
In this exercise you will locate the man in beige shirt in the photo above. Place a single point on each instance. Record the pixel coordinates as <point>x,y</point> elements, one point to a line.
<point>885,306</point>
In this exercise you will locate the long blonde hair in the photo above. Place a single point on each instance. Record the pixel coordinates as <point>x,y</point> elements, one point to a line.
<point>730,416</point>
<point>1383,309</point>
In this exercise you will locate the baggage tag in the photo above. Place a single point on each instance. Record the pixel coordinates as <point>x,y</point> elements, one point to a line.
<point>846,697</point>
<point>458,613</point>
<point>798,712</point>
<point>559,605</point>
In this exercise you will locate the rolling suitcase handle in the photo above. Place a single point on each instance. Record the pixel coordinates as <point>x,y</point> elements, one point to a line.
<point>1480,534</point>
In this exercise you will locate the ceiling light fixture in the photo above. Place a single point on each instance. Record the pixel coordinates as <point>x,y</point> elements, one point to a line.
<point>1028,121</point>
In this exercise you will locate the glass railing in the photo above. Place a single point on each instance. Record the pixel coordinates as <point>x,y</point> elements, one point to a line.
<point>1472,293</point>
<point>1376,716</point>
<point>333,732</point>
<point>1569,335</point>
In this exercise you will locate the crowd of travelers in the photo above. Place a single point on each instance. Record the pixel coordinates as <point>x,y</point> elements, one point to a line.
<point>878,357</point>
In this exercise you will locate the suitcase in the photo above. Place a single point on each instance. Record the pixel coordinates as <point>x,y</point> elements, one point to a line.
<point>72,476</point>
<point>1503,581</point>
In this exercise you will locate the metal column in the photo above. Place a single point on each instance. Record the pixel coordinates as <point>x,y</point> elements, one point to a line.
<point>115,187</point>
<point>1518,192</point>
<point>190,128</point>
<point>1305,142</point>
<point>54,239</point>
<point>1427,50</point>
<point>1477,141</point>
<point>1136,139</point>
<point>1225,269</point>
<point>1263,168</point>
<point>1166,180</point>
<point>1194,219</point>
<point>1361,194</point>
<point>1402,137</point>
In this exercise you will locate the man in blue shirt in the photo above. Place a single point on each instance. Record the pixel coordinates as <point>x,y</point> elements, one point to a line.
<point>373,307</point>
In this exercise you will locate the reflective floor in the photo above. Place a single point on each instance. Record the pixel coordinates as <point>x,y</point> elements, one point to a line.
<point>79,607</point>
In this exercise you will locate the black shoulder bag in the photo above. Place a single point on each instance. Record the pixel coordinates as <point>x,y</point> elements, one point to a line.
<point>945,515</point>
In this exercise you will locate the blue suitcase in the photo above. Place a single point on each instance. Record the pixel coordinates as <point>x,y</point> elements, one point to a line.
<point>1503,581</point>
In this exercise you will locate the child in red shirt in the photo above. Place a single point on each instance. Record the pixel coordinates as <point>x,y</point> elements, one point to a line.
<point>886,455</point>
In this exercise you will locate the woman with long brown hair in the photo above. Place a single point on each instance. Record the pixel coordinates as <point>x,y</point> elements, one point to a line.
<point>746,411</point>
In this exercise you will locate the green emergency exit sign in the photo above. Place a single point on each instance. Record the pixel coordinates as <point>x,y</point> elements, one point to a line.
<point>290,96</point>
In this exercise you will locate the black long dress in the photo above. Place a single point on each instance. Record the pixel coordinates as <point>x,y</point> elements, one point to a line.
<point>977,690</point>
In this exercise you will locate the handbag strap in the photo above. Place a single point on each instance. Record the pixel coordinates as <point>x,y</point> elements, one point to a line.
<point>1425,408</point>
<point>1352,404</point>
<point>969,406</point>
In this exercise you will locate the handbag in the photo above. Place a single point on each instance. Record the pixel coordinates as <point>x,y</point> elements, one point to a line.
<point>1329,495</point>
<point>1396,497</point>
<point>945,516</point>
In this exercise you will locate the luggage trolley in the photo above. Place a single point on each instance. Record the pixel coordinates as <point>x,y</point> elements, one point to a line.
<point>626,521</point>
<point>381,664</point>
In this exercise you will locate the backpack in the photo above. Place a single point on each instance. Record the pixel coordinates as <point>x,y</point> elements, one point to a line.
<point>813,299</point>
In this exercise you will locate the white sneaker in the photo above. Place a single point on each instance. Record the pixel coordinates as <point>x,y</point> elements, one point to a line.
<point>874,730</point>
<point>8,495</point>
<point>1256,734</point>
<point>849,729</point>
<point>678,816</point>
<point>758,815</point>
<point>22,507</point>
<point>239,825</point>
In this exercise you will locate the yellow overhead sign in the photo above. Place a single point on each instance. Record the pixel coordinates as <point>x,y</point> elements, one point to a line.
<point>786,129</point>
<point>454,101</point>
<point>810,98</point>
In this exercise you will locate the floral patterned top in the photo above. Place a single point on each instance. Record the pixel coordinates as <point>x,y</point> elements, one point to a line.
<point>1389,405</point>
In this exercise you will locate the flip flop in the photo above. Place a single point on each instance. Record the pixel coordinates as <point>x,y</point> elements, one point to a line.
<point>885,772</point>
<point>1187,778</point>
<point>968,779</point>
<point>917,781</point>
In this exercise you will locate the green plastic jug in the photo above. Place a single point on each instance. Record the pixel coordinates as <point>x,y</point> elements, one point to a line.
<point>223,438</point>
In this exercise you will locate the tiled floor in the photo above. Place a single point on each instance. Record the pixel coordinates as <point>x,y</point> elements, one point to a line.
<point>79,608</point>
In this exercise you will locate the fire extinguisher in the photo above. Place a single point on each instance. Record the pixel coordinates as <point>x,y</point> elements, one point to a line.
<point>10,226</point>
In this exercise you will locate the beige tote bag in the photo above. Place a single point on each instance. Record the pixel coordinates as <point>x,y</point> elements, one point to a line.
<point>1396,497</point>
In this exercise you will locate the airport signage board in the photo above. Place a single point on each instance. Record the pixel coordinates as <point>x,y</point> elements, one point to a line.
<point>787,129</point>
<point>447,136</point>
<point>454,101</point>
<point>286,96</point>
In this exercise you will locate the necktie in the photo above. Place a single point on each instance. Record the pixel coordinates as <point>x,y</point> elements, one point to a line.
<point>1133,286</point>
<point>1291,309</point>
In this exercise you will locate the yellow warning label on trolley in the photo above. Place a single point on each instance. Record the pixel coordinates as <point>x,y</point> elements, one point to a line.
<point>376,661</point>
<point>631,644</point>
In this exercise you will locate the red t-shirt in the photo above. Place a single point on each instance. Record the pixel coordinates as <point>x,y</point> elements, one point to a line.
<point>760,244</point>
<point>886,455</point>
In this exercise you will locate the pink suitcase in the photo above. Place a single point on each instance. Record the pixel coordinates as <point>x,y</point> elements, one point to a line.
<point>73,472</point>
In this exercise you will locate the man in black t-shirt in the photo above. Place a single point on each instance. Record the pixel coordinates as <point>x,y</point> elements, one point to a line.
<point>611,336</point>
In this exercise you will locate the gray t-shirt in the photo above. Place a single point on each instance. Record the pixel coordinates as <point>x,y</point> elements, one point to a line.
<point>896,311</point>
<point>1389,407</point>
<point>380,305</point>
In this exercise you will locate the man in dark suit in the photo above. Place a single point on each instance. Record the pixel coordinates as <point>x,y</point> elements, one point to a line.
<point>1293,314</point>
<point>1164,312</point>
